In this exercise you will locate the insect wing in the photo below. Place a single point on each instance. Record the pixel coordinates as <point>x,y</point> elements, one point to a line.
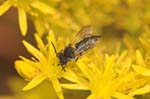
<point>84,32</point>
<point>85,44</point>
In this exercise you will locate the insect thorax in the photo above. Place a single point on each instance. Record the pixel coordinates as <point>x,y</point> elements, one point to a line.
<point>69,52</point>
<point>62,59</point>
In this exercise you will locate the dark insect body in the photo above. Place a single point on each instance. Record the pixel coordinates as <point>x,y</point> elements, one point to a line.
<point>83,41</point>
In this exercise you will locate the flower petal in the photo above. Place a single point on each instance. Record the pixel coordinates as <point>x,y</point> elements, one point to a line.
<point>141,70</point>
<point>119,95</point>
<point>139,58</point>
<point>46,9</point>
<point>22,21</point>
<point>57,88</point>
<point>4,7</point>
<point>25,70</point>
<point>141,91</point>
<point>71,76</point>
<point>40,43</point>
<point>91,96</point>
<point>84,69</point>
<point>145,44</point>
<point>37,80</point>
<point>40,27</point>
<point>74,87</point>
<point>51,37</point>
<point>34,51</point>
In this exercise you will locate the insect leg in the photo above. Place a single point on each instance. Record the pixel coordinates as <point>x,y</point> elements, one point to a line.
<point>54,48</point>
<point>76,59</point>
<point>63,68</point>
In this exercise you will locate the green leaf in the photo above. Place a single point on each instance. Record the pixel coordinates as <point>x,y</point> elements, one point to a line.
<point>4,7</point>
<point>37,80</point>
<point>22,21</point>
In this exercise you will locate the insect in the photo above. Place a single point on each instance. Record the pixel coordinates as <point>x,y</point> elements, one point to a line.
<point>82,41</point>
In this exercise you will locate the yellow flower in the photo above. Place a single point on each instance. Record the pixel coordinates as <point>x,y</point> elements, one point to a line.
<point>145,38</point>
<point>44,65</point>
<point>143,69</point>
<point>113,78</point>
<point>25,7</point>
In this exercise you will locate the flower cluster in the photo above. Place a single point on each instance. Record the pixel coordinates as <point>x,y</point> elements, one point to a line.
<point>117,76</point>
<point>112,78</point>
<point>43,65</point>
<point>118,67</point>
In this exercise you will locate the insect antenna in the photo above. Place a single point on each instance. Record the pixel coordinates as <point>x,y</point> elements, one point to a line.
<point>54,48</point>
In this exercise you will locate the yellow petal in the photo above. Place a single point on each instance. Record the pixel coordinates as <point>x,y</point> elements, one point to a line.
<point>46,9</point>
<point>141,91</point>
<point>91,97</point>
<point>40,28</point>
<point>84,69</point>
<point>141,70</point>
<point>25,70</point>
<point>34,51</point>
<point>37,80</point>
<point>51,39</point>
<point>4,7</point>
<point>108,72</point>
<point>22,21</point>
<point>139,58</point>
<point>57,88</point>
<point>121,96</point>
<point>145,44</point>
<point>31,62</point>
<point>74,87</point>
<point>122,57</point>
<point>40,43</point>
<point>71,76</point>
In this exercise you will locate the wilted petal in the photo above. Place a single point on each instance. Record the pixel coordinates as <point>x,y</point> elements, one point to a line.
<point>22,21</point>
